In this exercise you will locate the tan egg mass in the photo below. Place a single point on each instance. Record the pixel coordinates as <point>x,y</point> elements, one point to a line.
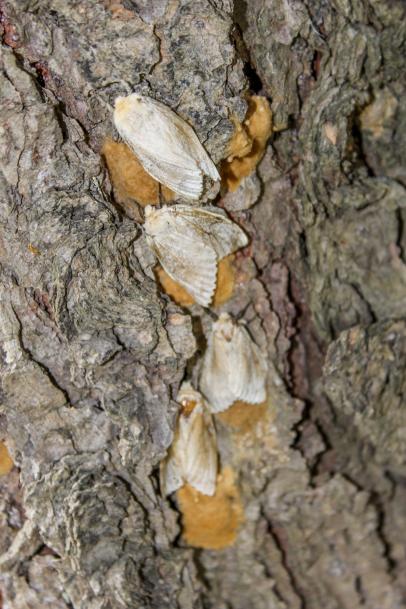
<point>243,418</point>
<point>130,180</point>
<point>6,462</point>
<point>248,143</point>
<point>212,522</point>
<point>224,288</point>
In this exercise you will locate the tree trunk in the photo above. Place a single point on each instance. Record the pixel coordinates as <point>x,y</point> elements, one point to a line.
<point>93,352</point>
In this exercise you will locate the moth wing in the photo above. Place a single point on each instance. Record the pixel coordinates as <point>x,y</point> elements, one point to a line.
<point>248,368</point>
<point>189,262</point>
<point>216,375</point>
<point>182,138</point>
<point>201,453</point>
<point>184,179</point>
<point>171,478</point>
<point>167,147</point>
<point>199,153</point>
<point>227,237</point>
<point>172,474</point>
<point>152,128</point>
<point>224,235</point>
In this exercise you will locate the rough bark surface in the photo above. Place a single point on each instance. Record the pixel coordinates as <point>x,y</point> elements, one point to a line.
<point>92,353</point>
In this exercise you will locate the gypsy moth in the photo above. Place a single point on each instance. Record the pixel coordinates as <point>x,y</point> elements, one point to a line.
<point>192,457</point>
<point>189,241</point>
<point>233,367</point>
<point>166,146</point>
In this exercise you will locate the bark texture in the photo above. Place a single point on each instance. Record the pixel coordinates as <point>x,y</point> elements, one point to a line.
<point>92,353</point>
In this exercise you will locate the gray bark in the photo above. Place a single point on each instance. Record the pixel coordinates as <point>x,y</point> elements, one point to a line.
<point>92,353</point>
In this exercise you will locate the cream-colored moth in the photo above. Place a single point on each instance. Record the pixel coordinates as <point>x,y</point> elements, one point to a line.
<point>233,367</point>
<point>192,457</point>
<point>189,241</point>
<point>166,146</point>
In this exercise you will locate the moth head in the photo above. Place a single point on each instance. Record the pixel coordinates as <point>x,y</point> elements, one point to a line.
<point>148,211</point>
<point>152,223</point>
<point>188,398</point>
<point>155,221</point>
<point>123,105</point>
<point>224,327</point>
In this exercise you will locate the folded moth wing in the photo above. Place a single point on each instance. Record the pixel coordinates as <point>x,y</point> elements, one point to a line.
<point>224,235</point>
<point>192,457</point>
<point>252,366</point>
<point>184,256</point>
<point>217,382</point>
<point>188,242</point>
<point>233,367</point>
<point>164,143</point>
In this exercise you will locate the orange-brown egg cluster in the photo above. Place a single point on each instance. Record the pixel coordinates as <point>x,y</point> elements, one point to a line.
<point>248,143</point>
<point>131,183</point>
<point>212,522</point>
<point>6,462</point>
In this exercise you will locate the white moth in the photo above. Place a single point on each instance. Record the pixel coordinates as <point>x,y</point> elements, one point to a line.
<point>233,366</point>
<point>189,241</point>
<point>166,146</point>
<point>192,457</point>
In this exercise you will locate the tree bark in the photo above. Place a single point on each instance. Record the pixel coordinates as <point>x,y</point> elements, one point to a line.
<point>92,353</point>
